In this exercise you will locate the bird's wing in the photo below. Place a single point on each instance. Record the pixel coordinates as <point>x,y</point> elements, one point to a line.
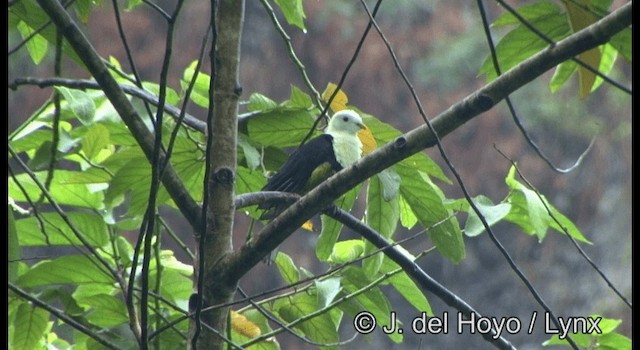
<point>295,173</point>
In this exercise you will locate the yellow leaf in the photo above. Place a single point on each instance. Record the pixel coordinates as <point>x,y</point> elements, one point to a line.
<point>369,143</point>
<point>308,226</point>
<point>581,15</point>
<point>240,324</point>
<point>339,102</point>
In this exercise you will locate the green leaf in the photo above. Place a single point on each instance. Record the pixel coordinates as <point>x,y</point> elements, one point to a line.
<point>622,43</point>
<point>427,203</point>
<point>382,216</point>
<point>492,214</point>
<point>30,136</point>
<point>13,247</point>
<point>104,310</point>
<point>57,232</point>
<point>83,8</point>
<point>188,160</point>
<point>80,103</point>
<point>134,178</point>
<point>404,285</point>
<point>37,45</point>
<point>293,12</point>
<point>287,268</point>
<point>408,218</point>
<point>174,286</point>
<point>29,327</point>
<point>251,154</point>
<point>62,193</point>
<point>95,139</point>
<point>531,13</point>
<point>346,251</point>
<point>563,72</point>
<point>259,102</point>
<point>373,300</point>
<point>321,328</point>
<point>607,59</point>
<point>171,96</point>
<point>299,99</point>
<point>531,211</point>
<point>280,127</point>
<point>69,269</point>
<point>331,228</point>
<point>614,341</point>
<point>248,181</point>
<point>521,43</point>
<point>390,181</point>
<point>200,93</point>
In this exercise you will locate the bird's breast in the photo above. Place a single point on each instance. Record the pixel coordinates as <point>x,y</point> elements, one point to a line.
<point>347,148</point>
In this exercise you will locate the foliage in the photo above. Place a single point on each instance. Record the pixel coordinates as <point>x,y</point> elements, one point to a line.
<point>92,196</point>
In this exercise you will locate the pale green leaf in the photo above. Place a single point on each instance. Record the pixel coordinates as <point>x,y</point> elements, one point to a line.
<point>200,93</point>
<point>346,251</point>
<point>327,290</point>
<point>491,213</point>
<point>80,103</point>
<point>251,154</point>
<point>390,181</point>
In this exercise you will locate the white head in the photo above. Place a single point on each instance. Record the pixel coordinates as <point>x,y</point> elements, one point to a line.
<point>345,121</point>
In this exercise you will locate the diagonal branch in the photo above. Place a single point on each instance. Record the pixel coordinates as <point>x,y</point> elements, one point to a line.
<point>237,264</point>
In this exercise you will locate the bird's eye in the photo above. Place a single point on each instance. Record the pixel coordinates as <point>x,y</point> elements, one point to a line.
<point>345,118</point>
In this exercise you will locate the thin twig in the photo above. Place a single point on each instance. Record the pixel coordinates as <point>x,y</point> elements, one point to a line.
<point>566,233</point>
<point>512,110</point>
<point>552,43</point>
<point>461,184</point>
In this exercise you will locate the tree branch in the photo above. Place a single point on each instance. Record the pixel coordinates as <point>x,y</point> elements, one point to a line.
<point>218,205</point>
<point>274,233</point>
<point>188,207</point>
<point>84,84</point>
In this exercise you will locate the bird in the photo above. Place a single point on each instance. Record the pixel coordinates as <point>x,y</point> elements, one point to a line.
<point>318,159</point>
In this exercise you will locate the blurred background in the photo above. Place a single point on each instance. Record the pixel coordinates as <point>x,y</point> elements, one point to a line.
<point>441,46</point>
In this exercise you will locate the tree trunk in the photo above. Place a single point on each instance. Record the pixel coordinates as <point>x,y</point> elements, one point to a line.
<point>215,244</point>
